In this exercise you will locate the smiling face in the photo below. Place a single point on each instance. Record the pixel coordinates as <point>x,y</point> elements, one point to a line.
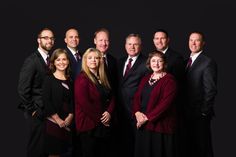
<point>133,46</point>
<point>196,43</point>
<point>101,41</point>
<point>46,40</point>
<point>61,62</point>
<point>72,38</point>
<point>160,41</point>
<point>92,61</point>
<point>157,64</point>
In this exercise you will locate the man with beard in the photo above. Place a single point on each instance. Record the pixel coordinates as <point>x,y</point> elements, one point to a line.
<point>31,78</point>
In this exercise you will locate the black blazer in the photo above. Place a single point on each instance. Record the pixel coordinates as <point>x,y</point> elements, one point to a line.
<point>111,72</point>
<point>53,96</point>
<point>75,65</point>
<point>201,86</point>
<point>175,64</point>
<point>128,84</point>
<point>30,83</point>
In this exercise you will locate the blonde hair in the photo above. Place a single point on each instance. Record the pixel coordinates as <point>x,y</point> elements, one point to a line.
<point>101,71</point>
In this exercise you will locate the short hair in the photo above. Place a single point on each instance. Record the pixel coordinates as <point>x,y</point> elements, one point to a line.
<point>44,29</point>
<point>200,33</point>
<point>159,54</point>
<point>101,30</point>
<point>134,35</point>
<point>163,31</point>
<point>72,28</point>
<point>54,56</point>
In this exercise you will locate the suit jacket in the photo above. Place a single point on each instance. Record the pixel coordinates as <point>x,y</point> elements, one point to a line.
<point>128,84</point>
<point>88,104</point>
<point>201,86</point>
<point>160,111</point>
<point>53,96</point>
<point>30,83</point>
<point>111,72</point>
<point>175,64</point>
<point>75,65</point>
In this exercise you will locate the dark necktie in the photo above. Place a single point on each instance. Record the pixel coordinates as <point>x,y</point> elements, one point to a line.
<point>128,67</point>
<point>78,57</point>
<point>48,61</point>
<point>188,64</point>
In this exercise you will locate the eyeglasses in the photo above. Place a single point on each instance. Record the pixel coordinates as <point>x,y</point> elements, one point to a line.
<point>47,38</point>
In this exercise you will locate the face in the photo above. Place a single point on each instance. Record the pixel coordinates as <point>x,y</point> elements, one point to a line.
<point>102,41</point>
<point>61,63</point>
<point>46,40</point>
<point>196,42</point>
<point>72,38</point>
<point>133,46</point>
<point>92,61</point>
<point>160,41</point>
<point>156,64</point>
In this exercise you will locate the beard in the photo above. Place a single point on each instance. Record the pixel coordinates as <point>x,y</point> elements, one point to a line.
<point>46,47</point>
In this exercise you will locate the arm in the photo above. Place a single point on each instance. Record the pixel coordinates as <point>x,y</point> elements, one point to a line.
<point>26,79</point>
<point>209,87</point>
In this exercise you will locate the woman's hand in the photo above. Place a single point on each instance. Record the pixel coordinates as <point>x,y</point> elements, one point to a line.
<point>106,117</point>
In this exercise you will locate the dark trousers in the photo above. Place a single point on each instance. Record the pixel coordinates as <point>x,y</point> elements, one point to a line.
<point>198,139</point>
<point>35,147</point>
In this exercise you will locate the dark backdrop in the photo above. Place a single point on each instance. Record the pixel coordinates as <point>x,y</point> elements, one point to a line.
<point>21,21</point>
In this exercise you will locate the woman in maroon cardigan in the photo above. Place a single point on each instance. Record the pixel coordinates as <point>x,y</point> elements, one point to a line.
<point>94,105</point>
<point>154,110</point>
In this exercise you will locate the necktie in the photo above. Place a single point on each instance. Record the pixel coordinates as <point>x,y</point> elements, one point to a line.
<point>128,66</point>
<point>78,57</point>
<point>48,61</point>
<point>188,64</point>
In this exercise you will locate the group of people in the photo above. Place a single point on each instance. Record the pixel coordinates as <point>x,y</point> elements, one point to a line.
<point>93,105</point>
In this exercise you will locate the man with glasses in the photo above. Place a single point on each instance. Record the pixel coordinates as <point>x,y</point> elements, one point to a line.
<point>31,77</point>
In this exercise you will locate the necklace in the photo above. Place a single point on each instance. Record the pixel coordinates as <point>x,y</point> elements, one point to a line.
<point>152,81</point>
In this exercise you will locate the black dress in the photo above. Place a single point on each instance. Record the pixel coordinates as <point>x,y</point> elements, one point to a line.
<point>59,139</point>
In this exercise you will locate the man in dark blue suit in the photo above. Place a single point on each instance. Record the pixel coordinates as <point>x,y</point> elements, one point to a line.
<point>31,78</point>
<point>131,70</point>
<point>201,89</point>
<point>72,42</point>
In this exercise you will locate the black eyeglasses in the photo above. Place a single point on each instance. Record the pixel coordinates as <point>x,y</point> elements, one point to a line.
<point>47,38</point>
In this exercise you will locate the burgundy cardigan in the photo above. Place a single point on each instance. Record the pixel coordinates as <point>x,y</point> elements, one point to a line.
<point>88,107</point>
<point>160,111</point>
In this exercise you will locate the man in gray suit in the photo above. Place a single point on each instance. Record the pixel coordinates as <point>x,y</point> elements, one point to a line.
<point>31,78</point>
<point>201,89</point>
<point>131,70</point>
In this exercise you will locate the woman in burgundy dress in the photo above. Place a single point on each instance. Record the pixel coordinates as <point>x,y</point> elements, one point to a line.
<point>155,111</point>
<point>58,101</point>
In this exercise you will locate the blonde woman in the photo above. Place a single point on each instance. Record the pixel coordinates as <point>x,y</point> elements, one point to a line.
<point>94,105</point>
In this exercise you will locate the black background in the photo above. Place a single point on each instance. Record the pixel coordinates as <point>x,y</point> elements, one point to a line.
<point>22,20</point>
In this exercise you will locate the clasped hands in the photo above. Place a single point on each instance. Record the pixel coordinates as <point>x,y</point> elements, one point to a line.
<point>141,119</point>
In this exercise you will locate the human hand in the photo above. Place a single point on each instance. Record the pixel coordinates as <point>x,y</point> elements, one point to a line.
<point>105,119</point>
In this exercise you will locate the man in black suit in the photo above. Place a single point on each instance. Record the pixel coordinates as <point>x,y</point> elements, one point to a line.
<point>131,70</point>
<point>72,42</point>
<point>31,78</point>
<point>201,89</point>
<point>175,66</point>
<point>102,42</point>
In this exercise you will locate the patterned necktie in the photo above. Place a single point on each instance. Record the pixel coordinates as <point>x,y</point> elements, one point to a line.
<point>128,66</point>
<point>78,57</point>
<point>188,64</point>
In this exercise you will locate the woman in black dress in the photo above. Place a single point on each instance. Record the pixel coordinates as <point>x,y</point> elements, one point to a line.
<point>58,101</point>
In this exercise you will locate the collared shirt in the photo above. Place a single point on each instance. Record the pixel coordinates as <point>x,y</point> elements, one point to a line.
<point>164,51</point>
<point>194,57</point>
<point>73,52</point>
<point>127,61</point>
<point>43,54</point>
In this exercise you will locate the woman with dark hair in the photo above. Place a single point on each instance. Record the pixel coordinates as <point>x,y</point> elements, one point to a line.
<point>58,101</point>
<point>154,110</point>
<point>94,105</point>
